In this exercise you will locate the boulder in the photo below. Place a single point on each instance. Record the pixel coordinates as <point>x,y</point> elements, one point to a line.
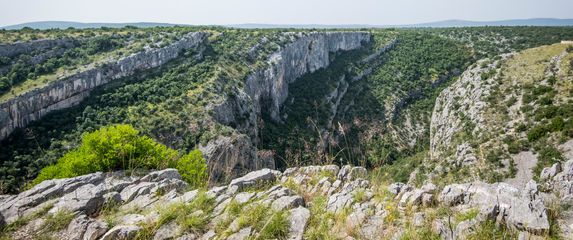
<point>83,227</point>
<point>256,177</point>
<point>419,219</point>
<point>87,199</point>
<point>242,234</point>
<point>95,230</point>
<point>550,172</point>
<point>298,219</point>
<point>244,197</point>
<point>121,232</point>
<point>349,173</point>
<point>396,188</point>
<point>519,209</point>
<point>157,176</point>
<point>287,202</point>
<point>167,231</point>
<point>12,208</point>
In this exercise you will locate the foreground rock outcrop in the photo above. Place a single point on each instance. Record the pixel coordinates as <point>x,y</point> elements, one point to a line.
<point>64,93</point>
<point>296,202</point>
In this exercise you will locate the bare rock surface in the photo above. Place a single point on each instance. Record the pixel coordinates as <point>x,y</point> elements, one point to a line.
<point>347,197</point>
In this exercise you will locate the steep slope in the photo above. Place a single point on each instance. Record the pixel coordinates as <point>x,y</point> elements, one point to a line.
<point>354,112</point>
<point>61,94</point>
<point>505,116</point>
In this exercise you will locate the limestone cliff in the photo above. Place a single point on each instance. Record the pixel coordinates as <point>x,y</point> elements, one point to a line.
<point>70,91</point>
<point>264,92</point>
<point>309,53</point>
<point>12,50</point>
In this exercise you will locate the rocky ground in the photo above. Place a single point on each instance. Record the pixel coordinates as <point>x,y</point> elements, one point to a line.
<point>315,202</point>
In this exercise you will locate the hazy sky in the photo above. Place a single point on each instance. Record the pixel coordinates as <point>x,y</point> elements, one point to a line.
<point>279,11</point>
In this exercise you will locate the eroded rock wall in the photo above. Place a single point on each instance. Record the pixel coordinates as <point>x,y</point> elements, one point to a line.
<point>11,50</point>
<point>309,53</point>
<point>70,91</point>
<point>264,92</point>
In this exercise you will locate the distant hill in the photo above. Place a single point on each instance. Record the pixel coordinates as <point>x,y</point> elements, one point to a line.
<point>514,22</point>
<point>79,25</point>
<point>446,23</point>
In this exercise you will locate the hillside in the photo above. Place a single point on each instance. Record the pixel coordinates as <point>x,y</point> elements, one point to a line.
<point>162,132</point>
<point>44,25</point>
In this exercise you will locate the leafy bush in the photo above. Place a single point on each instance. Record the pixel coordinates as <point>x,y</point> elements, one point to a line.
<point>547,157</point>
<point>536,133</point>
<point>193,168</point>
<point>121,147</point>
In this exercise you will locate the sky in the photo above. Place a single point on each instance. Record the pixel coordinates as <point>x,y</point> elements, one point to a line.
<point>221,12</point>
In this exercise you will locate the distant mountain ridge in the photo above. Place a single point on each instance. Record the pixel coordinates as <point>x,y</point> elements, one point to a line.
<point>65,24</point>
<point>438,24</point>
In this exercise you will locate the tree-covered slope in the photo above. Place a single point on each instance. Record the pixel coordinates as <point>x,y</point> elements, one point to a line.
<point>368,106</point>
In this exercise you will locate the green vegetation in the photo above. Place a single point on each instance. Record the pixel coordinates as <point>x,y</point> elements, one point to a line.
<point>166,104</point>
<point>57,221</point>
<point>121,147</point>
<point>382,120</point>
<point>424,62</point>
<point>22,221</point>
<point>193,168</point>
<point>548,155</point>
<point>319,225</point>
<point>489,230</point>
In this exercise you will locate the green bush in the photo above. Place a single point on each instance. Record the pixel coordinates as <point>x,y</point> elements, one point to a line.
<point>121,147</point>
<point>536,132</point>
<point>547,157</point>
<point>193,168</point>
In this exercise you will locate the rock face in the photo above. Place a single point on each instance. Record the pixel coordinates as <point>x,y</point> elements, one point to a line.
<point>353,204</point>
<point>466,95</point>
<point>11,50</point>
<point>150,194</point>
<point>559,178</point>
<point>265,91</point>
<point>67,92</point>
<point>520,209</point>
<point>307,54</point>
<point>266,88</point>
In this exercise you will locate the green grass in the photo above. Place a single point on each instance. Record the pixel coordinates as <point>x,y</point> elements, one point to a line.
<point>422,233</point>
<point>57,221</point>
<point>468,215</point>
<point>276,227</point>
<point>22,221</point>
<point>321,222</point>
<point>191,217</point>
<point>489,230</point>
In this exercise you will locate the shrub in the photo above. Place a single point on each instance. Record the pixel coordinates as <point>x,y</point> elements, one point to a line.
<point>556,124</point>
<point>536,132</point>
<point>193,168</point>
<point>121,147</point>
<point>547,157</point>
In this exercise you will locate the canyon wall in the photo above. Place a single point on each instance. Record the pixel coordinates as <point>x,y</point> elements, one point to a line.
<point>307,54</point>
<point>12,50</point>
<point>33,105</point>
<point>264,92</point>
